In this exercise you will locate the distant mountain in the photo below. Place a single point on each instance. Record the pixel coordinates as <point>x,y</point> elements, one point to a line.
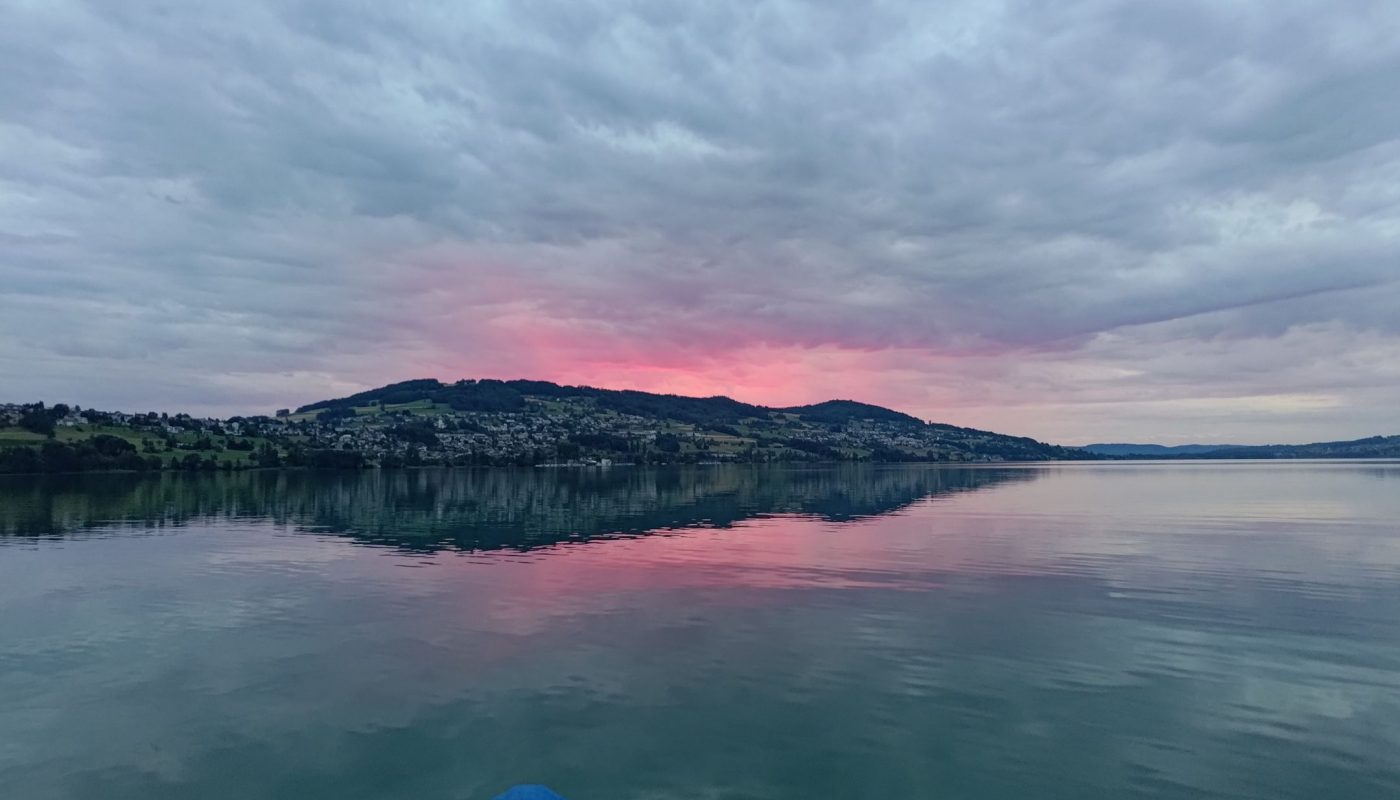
<point>1370,447</point>
<point>1154,450</point>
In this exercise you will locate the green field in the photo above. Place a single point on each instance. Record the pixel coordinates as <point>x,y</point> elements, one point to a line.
<point>425,408</point>
<point>15,436</point>
<point>88,431</point>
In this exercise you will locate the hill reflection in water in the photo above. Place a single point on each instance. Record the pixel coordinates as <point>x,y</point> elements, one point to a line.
<point>471,510</point>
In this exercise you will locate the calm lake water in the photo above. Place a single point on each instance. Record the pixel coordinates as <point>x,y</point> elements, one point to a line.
<point>1062,631</point>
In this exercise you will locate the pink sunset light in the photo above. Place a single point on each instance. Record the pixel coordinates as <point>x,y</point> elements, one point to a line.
<point>905,218</point>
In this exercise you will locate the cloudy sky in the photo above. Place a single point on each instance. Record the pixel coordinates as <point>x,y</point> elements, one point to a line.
<point>1081,221</point>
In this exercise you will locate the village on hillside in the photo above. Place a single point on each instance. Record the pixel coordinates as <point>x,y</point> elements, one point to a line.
<point>544,432</point>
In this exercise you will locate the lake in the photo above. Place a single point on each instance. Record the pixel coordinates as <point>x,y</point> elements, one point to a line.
<point>1131,630</point>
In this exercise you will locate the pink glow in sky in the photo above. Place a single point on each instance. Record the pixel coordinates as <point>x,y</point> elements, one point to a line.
<point>1097,221</point>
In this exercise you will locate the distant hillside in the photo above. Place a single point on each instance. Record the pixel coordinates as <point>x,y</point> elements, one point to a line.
<point>508,396</point>
<point>837,411</point>
<point>538,423</point>
<point>1370,447</point>
<point>571,422</point>
<point>495,423</point>
<point>1153,450</point>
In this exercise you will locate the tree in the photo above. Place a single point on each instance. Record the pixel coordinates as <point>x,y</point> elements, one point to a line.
<point>333,415</point>
<point>59,457</point>
<point>38,419</point>
<point>267,456</point>
<point>111,446</point>
<point>19,460</point>
<point>420,433</point>
<point>130,462</point>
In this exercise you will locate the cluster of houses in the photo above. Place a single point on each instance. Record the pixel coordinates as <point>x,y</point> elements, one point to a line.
<point>499,437</point>
<point>549,433</point>
<point>10,414</point>
<point>884,436</point>
<point>569,431</point>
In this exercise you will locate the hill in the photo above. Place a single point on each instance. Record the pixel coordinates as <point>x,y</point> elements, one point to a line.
<point>525,423</point>
<point>1154,450</point>
<point>1370,447</point>
<point>495,423</point>
<point>533,421</point>
<point>511,396</point>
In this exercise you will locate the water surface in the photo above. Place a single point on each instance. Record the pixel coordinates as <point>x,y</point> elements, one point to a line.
<point>1179,630</point>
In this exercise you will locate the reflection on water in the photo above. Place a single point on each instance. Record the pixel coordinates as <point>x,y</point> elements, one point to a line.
<point>476,509</point>
<point>1072,631</point>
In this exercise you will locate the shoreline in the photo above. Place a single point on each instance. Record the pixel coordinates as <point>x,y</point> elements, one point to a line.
<point>600,467</point>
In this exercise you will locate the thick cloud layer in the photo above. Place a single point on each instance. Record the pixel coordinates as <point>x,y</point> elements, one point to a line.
<point>1081,221</point>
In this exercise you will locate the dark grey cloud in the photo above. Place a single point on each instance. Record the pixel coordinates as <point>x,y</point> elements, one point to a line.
<point>1088,219</point>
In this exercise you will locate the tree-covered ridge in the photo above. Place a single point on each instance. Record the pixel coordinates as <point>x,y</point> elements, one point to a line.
<point>500,396</point>
<point>493,423</point>
<point>837,411</point>
<point>574,422</point>
<point>1368,447</point>
<point>461,396</point>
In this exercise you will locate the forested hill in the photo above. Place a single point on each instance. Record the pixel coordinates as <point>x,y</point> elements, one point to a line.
<point>511,396</point>
<point>1370,447</point>
<point>494,423</point>
<point>570,422</point>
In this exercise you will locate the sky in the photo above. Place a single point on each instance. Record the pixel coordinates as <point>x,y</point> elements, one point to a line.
<point>1080,221</point>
